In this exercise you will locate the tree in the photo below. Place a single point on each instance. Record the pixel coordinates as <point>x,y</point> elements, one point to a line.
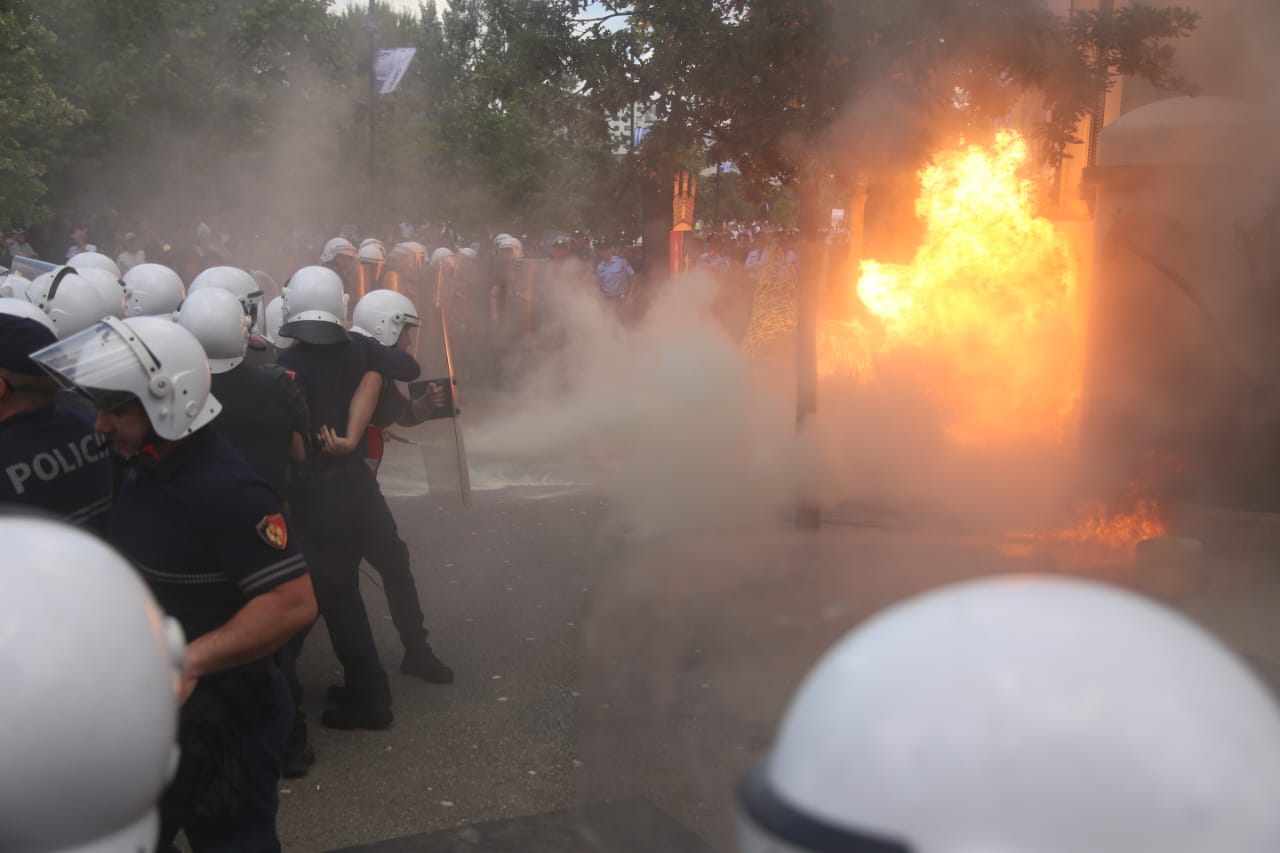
<point>33,114</point>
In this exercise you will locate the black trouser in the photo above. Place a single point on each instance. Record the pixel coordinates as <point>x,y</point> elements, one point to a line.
<point>381,545</point>
<point>226,792</point>
<point>334,510</point>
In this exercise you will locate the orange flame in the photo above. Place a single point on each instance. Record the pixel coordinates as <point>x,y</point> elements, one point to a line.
<point>985,316</point>
<point>1101,526</point>
<point>986,307</point>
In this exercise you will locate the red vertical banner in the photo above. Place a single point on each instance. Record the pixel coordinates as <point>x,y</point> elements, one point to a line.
<point>677,252</point>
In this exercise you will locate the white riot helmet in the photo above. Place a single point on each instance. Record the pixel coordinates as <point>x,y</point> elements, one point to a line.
<point>371,252</point>
<point>240,283</point>
<point>1022,714</point>
<point>154,360</point>
<point>94,260</point>
<point>22,308</point>
<point>110,289</point>
<point>218,322</point>
<point>335,247</point>
<point>315,307</point>
<point>83,772</point>
<point>508,243</point>
<point>152,290</point>
<point>467,252</point>
<point>444,257</point>
<point>71,302</point>
<point>374,241</point>
<point>383,315</point>
<point>274,320</point>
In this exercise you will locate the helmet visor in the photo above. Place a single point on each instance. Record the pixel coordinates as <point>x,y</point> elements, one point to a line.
<point>102,362</point>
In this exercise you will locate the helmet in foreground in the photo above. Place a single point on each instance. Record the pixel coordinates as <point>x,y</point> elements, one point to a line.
<point>83,776</point>
<point>1022,714</point>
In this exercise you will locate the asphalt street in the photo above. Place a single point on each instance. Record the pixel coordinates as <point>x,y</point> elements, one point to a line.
<point>607,679</point>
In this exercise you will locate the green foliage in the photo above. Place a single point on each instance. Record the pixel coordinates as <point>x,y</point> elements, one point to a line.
<point>258,110</point>
<point>33,114</point>
<point>789,87</point>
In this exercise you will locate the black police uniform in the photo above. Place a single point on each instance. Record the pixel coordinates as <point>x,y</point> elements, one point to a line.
<point>52,460</point>
<point>50,457</point>
<point>207,534</point>
<point>261,410</point>
<point>343,514</point>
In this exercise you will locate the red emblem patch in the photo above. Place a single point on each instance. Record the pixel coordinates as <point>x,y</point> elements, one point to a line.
<point>273,531</point>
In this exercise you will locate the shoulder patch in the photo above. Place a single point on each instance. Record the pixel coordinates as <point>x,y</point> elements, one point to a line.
<point>273,531</point>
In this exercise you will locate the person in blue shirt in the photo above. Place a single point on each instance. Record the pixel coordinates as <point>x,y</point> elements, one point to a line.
<point>50,457</point>
<point>614,274</point>
<point>209,537</point>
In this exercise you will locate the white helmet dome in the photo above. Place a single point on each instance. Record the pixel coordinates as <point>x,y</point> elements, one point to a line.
<point>110,289</point>
<point>274,320</point>
<point>467,252</point>
<point>383,315</point>
<point>509,242</point>
<point>371,253</point>
<point>70,301</point>
<point>155,360</point>
<point>315,307</point>
<point>373,241</point>
<point>83,776</point>
<point>335,247</point>
<point>152,290</point>
<point>15,307</point>
<point>1022,714</point>
<point>94,260</point>
<point>442,255</point>
<point>216,319</point>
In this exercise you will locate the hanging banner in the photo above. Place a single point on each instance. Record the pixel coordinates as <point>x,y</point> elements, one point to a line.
<point>389,67</point>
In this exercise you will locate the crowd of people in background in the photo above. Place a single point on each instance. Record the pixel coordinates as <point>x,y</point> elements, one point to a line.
<point>498,284</point>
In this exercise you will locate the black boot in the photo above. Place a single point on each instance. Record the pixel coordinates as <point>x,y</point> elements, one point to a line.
<point>422,662</point>
<point>360,711</point>
<point>298,753</point>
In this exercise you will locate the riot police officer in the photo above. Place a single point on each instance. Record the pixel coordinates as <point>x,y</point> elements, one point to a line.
<point>390,318</point>
<point>209,537</point>
<point>337,502</point>
<point>264,415</point>
<point>50,458</point>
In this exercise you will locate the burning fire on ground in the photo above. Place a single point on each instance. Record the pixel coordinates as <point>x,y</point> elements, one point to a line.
<point>986,317</point>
